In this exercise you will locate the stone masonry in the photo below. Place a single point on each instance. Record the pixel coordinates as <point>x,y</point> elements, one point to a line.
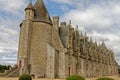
<point>47,49</point>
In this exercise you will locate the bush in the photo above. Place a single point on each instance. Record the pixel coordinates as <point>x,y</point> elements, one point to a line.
<point>104,78</point>
<point>25,77</point>
<point>75,77</point>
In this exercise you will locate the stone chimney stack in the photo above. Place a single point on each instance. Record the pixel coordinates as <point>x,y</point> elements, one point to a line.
<point>56,23</point>
<point>63,24</point>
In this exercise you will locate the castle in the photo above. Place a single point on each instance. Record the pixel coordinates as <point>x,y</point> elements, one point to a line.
<point>47,49</point>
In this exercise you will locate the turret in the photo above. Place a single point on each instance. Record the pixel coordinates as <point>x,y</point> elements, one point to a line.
<point>95,43</point>
<point>85,37</point>
<point>81,34</point>
<point>91,39</point>
<point>69,23</point>
<point>77,28</point>
<point>29,12</point>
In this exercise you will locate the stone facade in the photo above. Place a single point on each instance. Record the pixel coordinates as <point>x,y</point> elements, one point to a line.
<point>49,50</point>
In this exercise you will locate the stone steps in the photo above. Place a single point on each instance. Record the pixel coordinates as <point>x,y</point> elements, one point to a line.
<point>12,72</point>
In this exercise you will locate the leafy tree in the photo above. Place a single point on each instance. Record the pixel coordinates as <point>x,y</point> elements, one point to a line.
<point>4,67</point>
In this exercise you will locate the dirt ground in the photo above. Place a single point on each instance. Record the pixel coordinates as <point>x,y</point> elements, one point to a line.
<point>3,78</point>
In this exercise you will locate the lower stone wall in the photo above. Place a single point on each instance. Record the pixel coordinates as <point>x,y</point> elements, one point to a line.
<point>50,68</point>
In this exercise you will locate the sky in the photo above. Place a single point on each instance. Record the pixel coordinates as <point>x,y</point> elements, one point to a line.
<point>98,18</point>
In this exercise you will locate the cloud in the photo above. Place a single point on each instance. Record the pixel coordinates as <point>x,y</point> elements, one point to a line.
<point>12,6</point>
<point>6,31</point>
<point>8,45</point>
<point>9,57</point>
<point>11,15</point>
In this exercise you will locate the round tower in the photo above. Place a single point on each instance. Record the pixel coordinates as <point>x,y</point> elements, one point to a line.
<point>24,41</point>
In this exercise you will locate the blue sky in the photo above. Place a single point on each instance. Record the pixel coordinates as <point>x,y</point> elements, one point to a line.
<point>99,18</point>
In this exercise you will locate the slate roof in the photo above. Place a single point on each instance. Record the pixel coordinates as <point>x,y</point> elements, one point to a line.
<point>41,13</point>
<point>64,32</point>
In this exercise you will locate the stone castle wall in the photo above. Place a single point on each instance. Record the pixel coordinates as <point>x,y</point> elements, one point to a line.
<point>47,49</point>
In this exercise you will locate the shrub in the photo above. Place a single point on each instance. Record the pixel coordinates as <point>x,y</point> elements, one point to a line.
<point>25,77</point>
<point>104,78</point>
<point>75,77</point>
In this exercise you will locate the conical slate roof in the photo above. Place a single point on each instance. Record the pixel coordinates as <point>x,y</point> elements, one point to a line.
<point>41,13</point>
<point>30,6</point>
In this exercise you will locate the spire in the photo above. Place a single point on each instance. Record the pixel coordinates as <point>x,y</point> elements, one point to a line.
<point>76,27</point>
<point>41,12</point>
<point>95,43</point>
<point>30,6</point>
<point>81,34</point>
<point>103,44</point>
<point>91,39</point>
<point>69,22</point>
<point>85,34</point>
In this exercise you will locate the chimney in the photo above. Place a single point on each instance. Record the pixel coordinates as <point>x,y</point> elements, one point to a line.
<point>63,24</point>
<point>56,22</point>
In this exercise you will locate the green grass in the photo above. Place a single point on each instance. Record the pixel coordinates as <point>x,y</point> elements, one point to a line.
<point>75,77</point>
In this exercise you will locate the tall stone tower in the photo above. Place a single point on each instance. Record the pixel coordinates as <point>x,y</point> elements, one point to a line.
<point>39,43</point>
